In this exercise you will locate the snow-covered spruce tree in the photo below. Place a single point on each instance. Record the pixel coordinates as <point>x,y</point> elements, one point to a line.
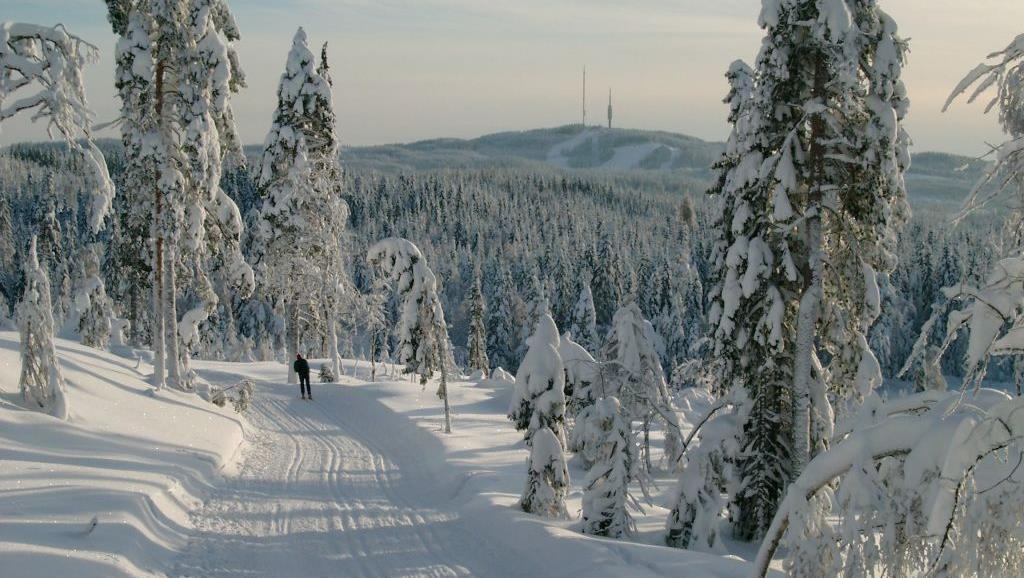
<point>606,498</point>
<point>176,70</point>
<point>750,320</point>
<point>478,329</point>
<point>537,305</point>
<point>547,481</point>
<point>50,251</point>
<point>41,382</point>
<point>41,74</point>
<point>92,306</point>
<point>633,367</point>
<point>539,398</point>
<point>375,304</point>
<point>297,239</point>
<point>607,283</point>
<point>584,318</point>
<point>423,344</point>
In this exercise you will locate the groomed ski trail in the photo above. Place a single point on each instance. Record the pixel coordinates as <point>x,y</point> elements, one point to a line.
<point>329,488</point>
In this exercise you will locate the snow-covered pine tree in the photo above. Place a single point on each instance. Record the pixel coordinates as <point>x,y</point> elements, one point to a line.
<point>477,346</point>
<point>297,240</point>
<point>176,69</point>
<point>41,382</point>
<point>606,488</point>
<point>539,397</point>
<point>547,482</point>
<point>584,318</point>
<point>41,73</point>
<point>633,367</point>
<point>423,344</point>
<point>812,177</point>
<point>92,306</point>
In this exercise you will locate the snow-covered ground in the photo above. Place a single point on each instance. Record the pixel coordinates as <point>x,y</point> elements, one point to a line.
<point>358,482</point>
<point>134,462</point>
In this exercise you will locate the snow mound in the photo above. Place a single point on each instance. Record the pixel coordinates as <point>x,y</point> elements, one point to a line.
<point>108,492</point>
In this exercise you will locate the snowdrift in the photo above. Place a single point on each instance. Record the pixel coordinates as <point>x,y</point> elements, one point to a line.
<point>108,492</point>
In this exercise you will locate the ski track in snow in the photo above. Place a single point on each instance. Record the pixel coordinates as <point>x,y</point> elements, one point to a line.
<point>315,498</point>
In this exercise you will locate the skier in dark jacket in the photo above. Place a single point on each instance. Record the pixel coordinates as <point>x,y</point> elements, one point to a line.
<point>302,368</point>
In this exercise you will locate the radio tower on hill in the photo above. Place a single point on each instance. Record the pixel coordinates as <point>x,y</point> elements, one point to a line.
<point>609,108</point>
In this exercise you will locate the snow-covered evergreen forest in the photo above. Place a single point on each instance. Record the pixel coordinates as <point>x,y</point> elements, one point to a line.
<point>635,236</point>
<point>780,362</point>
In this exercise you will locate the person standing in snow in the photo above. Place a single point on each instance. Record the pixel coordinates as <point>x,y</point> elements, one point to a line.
<point>302,368</point>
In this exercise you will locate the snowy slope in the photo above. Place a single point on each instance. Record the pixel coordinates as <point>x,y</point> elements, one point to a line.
<point>601,148</point>
<point>359,482</point>
<point>138,463</point>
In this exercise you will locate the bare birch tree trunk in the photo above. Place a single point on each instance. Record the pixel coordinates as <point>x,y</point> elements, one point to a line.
<point>159,350</point>
<point>171,341</point>
<point>291,337</point>
<point>332,341</point>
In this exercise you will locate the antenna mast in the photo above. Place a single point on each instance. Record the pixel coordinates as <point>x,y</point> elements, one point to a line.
<point>584,97</point>
<point>609,108</point>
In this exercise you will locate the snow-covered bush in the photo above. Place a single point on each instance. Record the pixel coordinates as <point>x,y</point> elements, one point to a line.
<point>606,498</point>
<point>633,370</point>
<point>41,382</point>
<point>327,374</point>
<point>499,374</point>
<point>92,306</point>
<point>547,481</point>
<point>240,395</point>
<point>539,398</point>
<point>705,470</point>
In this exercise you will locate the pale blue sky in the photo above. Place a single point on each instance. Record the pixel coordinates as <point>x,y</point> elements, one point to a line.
<point>414,69</point>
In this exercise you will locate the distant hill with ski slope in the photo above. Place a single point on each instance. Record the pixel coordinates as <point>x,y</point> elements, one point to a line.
<point>934,177</point>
